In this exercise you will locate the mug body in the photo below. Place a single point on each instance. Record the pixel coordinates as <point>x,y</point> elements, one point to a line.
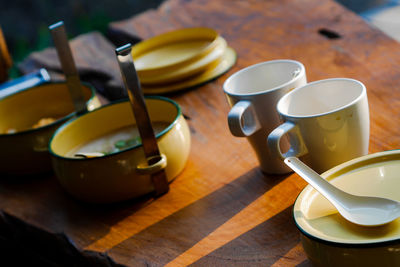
<point>261,86</point>
<point>332,118</point>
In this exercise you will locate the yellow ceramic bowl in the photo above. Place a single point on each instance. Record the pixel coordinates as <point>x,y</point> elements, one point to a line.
<point>117,176</point>
<point>330,240</point>
<point>26,151</point>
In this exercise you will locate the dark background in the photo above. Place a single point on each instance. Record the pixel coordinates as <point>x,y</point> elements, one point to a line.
<point>25,22</point>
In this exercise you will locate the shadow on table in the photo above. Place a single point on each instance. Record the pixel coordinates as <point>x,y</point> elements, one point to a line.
<point>43,202</point>
<point>165,240</point>
<point>264,245</point>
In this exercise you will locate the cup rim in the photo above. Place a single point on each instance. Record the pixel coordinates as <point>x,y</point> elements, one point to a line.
<point>249,68</point>
<point>163,132</point>
<point>354,101</point>
<point>60,120</point>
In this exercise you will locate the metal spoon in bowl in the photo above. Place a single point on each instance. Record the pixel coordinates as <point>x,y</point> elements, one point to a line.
<point>361,210</point>
<point>149,141</point>
<point>68,66</point>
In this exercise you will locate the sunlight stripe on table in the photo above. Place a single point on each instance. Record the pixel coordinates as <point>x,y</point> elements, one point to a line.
<point>293,257</point>
<point>269,204</point>
<point>181,194</point>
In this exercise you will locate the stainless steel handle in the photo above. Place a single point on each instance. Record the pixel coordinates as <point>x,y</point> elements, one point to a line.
<point>149,141</point>
<point>68,66</point>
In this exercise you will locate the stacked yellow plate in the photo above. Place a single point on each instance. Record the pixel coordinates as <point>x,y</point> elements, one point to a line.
<point>181,59</point>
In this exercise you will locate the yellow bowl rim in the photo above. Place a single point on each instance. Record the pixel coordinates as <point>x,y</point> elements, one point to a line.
<point>163,132</point>
<point>65,118</point>
<point>337,171</point>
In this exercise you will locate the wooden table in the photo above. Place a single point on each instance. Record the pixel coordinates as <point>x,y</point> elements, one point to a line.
<point>221,210</point>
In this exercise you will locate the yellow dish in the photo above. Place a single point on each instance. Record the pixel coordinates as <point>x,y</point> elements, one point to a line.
<point>122,174</point>
<point>172,50</point>
<point>217,68</point>
<point>25,151</point>
<point>190,69</point>
<point>330,240</point>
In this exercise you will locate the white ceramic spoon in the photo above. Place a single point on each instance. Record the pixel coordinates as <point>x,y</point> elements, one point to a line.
<point>361,210</point>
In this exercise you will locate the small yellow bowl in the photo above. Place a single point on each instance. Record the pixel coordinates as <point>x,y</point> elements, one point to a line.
<point>330,240</point>
<point>119,175</point>
<point>25,149</point>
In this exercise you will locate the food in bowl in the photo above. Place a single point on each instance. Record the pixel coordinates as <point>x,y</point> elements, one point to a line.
<point>330,240</point>
<point>42,122</point>
<point>116,140</point>
<point>25,127</point>
<point>123,173</point>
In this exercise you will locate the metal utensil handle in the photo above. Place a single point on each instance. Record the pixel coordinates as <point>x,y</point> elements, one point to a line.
<point>142,117</point>
<point>141,114</point>
<point>68,66</point>
<point>24,82</point>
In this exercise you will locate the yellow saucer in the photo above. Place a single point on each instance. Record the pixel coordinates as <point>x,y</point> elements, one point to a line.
<point>172,50</point>
<point>217,68</point>
<point>188,70</point>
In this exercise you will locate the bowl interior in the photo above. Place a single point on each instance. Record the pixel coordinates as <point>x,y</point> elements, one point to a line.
<point>105,121</point>
<point>371,175</point>
<point>22,110</point>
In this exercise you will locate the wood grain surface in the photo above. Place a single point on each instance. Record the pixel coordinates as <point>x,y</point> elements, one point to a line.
<point>222,210</point>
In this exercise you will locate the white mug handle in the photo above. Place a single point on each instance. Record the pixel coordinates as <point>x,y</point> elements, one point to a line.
<point>242,119</point>
<point>297,146</point>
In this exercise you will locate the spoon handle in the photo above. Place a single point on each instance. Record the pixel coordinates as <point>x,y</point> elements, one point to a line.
<point>333,194</point>
<point>141,114</point>
<point>68,66</point>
